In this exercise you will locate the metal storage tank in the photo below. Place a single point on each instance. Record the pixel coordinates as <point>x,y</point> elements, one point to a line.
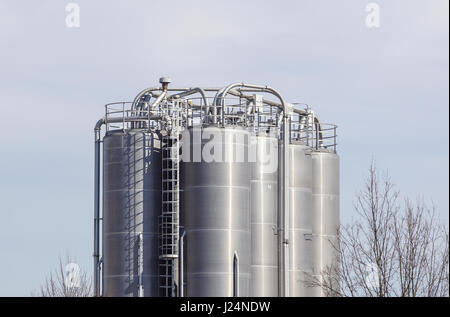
<point>218,228</point>
<point>131,204</point>
<point>300,235</point>
<point>325,191</point>
<point>264,208</point>
<point>215,199</point>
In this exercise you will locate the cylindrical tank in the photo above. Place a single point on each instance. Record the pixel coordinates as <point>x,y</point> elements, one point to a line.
<point>325,191</point>
<point>131,205</point>
<point>264,206</point>
<point>215,200</point>
<point>300,223</point>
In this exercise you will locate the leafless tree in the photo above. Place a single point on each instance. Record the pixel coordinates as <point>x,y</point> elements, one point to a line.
<point>66,280</point>
<point>390,249</point>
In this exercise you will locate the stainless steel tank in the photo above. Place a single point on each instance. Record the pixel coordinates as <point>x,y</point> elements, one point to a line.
<point>215,202</point>
<point>300,235</point>
<point>264,207</point>
<point>131,205</point>
<point>325,191</point>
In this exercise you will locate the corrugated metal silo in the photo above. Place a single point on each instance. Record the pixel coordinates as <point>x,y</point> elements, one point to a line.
<point>131,204</point>
<point>264,208</point>
<point>325,191</point>
<point>300,236</point>
<point>215,198</point>
<point>218,223</point>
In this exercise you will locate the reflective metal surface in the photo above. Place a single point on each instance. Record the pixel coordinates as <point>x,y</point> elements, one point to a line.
<point>264,205</point>
<point>254,225</point>
<point>325,190</point>
<point>131,204</point>
<point>215,200</point>
<point>300,235</point>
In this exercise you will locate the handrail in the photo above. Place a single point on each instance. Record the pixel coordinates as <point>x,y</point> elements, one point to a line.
<point>191,92</point>
<point>259,88</point>
<point>181,265</point>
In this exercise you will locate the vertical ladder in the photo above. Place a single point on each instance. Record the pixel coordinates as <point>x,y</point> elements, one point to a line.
<point>169,218</point>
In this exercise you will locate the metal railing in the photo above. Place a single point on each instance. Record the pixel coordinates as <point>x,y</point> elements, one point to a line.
<point>325,137</point>
<point>315,134</point>
<point>119,116</point>
<point>235,112</point>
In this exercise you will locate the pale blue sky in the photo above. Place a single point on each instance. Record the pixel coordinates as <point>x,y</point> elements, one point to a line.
<point>386,88</point>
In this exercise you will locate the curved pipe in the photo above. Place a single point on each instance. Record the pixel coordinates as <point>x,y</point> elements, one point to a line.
<point>152,89</point>
<point>223,93</point>
<point>157,101</point>
<point>142,94</point>
<point>255,88</point>
<point>283,268</point>
<point>96,253</point>
<point>215,101</point>
<point>142,106</point>
<point>318,130</point>
<point>238,93</point>
<point>191,92</point>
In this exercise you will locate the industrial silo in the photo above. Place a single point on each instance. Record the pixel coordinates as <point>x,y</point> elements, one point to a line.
<point>131,205</point>
<point>230,220</point>
<point>325,193</point>
<point>264,211</point>
<point>215,199</point>
<point>300,235</point>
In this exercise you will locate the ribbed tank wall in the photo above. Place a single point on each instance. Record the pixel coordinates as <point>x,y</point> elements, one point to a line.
<point>300,235</point>
<point>264,205</point>
<point>131,204</point>
<point>215,200</point>
<point>325,187</point>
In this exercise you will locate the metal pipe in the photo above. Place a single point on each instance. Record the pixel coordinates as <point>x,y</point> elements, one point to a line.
<point>141,264</point>
<point>280,222</point>
<point>284,267</point>
<point>257,88</point>
<point>215,101</point>
<point>235,275</point>
<point>181,265</point>
<point>238,93</point>
<point>318,129</point>
<point>141,94</point>
<point>96,253</point>
<point>191,92</point>
<point>158,100</point>
<point>286,206</point>
<point>134,118</point>
<point>152,89</point>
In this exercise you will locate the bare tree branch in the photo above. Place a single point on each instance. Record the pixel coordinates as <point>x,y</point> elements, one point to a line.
<point>391,249</point>
<point>58,283</point>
